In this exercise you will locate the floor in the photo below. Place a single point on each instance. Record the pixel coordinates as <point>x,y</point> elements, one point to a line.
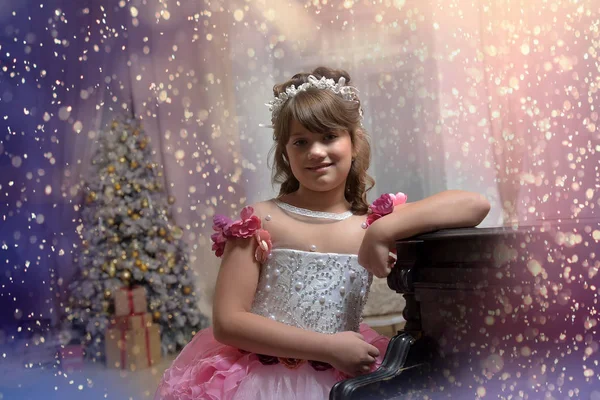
<point>95,381</point>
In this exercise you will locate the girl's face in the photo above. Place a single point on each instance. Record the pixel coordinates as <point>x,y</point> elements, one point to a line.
<point>320,162</point>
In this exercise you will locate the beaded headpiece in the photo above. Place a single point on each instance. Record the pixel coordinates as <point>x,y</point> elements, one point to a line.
<point>348,93</point>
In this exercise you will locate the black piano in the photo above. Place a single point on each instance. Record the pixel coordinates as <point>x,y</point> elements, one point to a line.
<point>493,313</point>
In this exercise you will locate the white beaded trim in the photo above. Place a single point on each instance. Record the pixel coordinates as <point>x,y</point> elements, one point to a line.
<point>310,213</point>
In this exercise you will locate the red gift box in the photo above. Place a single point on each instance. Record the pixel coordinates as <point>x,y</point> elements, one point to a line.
<point>133,349</point>
<point>130,301</point>
<point>71,357</point>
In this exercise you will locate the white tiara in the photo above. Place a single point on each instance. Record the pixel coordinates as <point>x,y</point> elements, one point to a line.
<point>348,93</point>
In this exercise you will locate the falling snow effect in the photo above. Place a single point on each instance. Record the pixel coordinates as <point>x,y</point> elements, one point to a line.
<point>498,97</point>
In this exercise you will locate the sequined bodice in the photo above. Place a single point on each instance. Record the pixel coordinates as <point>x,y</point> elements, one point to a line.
<point>322,292</point>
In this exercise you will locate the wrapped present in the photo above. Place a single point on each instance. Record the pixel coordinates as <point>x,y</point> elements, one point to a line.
<point>38,355</point>
<point>71,357</point>
<point>133,321</point>
<point>132,349</point>
<point>130,301</point>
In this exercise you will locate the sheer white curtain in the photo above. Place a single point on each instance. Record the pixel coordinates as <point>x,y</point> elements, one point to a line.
<point>436,81</point>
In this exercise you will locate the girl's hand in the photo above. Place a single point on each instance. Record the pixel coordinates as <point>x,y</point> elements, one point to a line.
<point>376,253</point>
<point>350,353</point>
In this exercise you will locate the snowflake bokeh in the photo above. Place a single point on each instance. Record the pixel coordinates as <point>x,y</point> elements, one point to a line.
<point>497,97</point>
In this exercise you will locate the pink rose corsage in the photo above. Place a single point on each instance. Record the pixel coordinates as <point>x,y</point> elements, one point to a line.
<point>245,227</point>
<point>248,226</point>
<point>383,206</point>
<point>263,238</point>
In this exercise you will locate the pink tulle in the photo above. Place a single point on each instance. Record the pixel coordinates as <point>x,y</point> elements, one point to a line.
<point>207,369</point>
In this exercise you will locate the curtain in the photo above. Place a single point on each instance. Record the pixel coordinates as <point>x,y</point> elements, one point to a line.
<point>452,98</point>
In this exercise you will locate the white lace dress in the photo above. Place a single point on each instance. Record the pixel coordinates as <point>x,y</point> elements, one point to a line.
<point>300,285</point>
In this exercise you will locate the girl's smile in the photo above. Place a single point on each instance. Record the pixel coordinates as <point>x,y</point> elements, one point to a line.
<point>323,167</point>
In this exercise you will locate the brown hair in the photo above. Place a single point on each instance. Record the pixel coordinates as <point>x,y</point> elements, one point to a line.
<point>322,111</point>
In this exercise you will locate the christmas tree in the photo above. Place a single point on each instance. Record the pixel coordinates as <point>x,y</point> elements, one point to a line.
<point>129,239</point>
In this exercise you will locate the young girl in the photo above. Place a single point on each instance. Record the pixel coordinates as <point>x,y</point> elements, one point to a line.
<point>292,283</point>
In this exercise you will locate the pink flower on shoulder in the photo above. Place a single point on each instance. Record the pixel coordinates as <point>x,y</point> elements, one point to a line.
<point>264,245</point>
<point>245,227</point>
<point>219,241</point>
<point>372,218</point>
<point>399,198</point>
<point>384,204</point>
<point>221,223</point>
<point>221,227</point>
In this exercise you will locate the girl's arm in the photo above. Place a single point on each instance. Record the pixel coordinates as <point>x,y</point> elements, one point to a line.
<point>235,325</point>
<point>449,209</point>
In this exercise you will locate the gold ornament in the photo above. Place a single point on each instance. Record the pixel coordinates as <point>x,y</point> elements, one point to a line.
<point>91,197</point>
<point>114,125</point>
<point>161,270</point>
<point>110,221</point>
<point>115,239</point>
<point>149,166</point>
<point>85,244</point>
<point>138,262</point>
<point>143,267</point>
<point>162,232</point>
<point>112,271</point>
<point>177,232</point>
<point>105,267</point>
<point>136,132</point>
<point>122,160</point>
<point>111,169</point>
<point>145,203</point>
<point>187,290</point>
<point>125,275</point>
<point>143,144</point>
<point>171,262</point>
<point>107,294</point>
<point>135,217</point>
<point>124,137</point>
<point>129,212</point>
<point>156,315</point>
<point>171,199</point>
<point>134,164</point>
<point>150,186</point>
<point>117,186</point>
<point>135,254</point>
<point>137,187</point>
<point>85,273</point>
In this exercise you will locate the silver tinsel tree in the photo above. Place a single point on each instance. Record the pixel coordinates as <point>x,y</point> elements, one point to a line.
<point>129,239</point>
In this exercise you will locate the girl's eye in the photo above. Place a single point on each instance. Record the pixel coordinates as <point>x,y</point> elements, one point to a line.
<point>330,137</point>
<point>299,142</point>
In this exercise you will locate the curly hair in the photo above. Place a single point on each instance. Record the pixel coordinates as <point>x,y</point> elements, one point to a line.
<point>322,111</point>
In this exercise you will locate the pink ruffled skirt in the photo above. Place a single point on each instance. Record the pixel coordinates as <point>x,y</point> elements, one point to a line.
<point>207,369</point>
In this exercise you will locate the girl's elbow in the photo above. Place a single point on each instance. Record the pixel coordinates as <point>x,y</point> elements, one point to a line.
<point>481,207</point>
<point>221,329</point>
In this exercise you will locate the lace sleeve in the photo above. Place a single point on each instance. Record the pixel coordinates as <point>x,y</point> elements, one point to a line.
<point>249,226</point>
